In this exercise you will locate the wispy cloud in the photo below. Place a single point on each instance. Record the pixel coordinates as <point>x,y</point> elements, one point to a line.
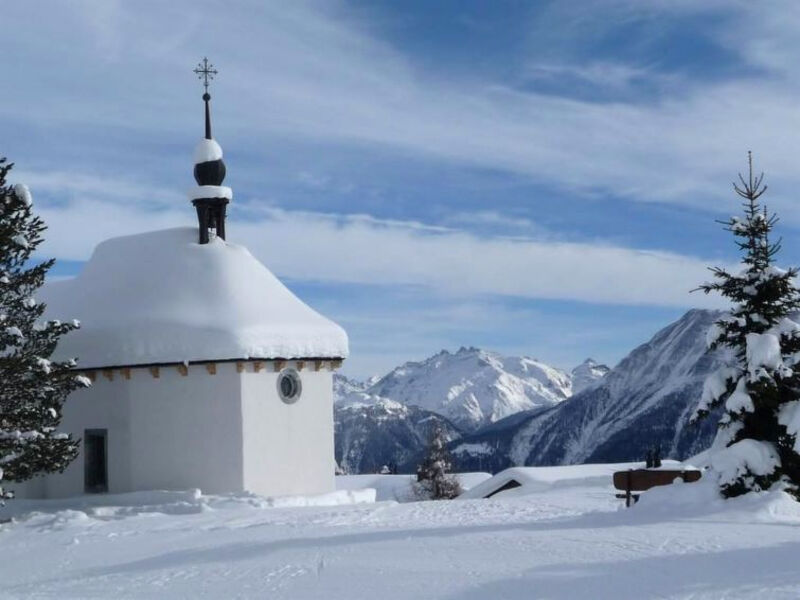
<point>493,218</point>
<point>310,72</point>
<point>364,250</point>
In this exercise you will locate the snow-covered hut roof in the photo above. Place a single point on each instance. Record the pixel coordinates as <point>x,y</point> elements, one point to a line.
<point>536,479</point>
<point>160,297</point>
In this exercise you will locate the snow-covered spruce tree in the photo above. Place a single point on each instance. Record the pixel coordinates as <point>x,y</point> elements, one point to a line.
<point>434,480</point>
<point>758,438</point>
<point>33,388</point>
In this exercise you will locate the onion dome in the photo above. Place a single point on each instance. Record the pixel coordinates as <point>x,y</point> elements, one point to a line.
<point>209,168</point>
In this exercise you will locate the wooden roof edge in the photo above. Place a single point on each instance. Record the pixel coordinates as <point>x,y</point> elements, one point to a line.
<point>79,368</point>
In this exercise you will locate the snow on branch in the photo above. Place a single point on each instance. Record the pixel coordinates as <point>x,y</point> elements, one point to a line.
<point>763,354</point>
<point>743,459</point>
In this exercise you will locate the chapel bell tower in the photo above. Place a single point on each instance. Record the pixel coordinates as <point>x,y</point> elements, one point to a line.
<point>210,198</point>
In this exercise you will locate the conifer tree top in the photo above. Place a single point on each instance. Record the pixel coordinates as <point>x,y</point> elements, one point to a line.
<point>758,390</point>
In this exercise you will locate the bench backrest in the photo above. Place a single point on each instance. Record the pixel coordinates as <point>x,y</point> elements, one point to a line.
<point>639,480</point>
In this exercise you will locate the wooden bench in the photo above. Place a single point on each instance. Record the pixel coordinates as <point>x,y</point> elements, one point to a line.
<point>640,480</point>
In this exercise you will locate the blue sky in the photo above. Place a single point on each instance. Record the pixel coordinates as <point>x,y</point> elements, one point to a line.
<point>538,178</point>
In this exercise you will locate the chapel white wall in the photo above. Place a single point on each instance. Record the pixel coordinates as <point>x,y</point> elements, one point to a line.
<point>288,448</point>
<point>102,406</point>
<point>226,432</point>
<point>172,432</point>
<point>186,431</point>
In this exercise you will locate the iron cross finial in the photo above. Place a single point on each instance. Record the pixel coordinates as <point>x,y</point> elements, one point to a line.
<point>205,71</point>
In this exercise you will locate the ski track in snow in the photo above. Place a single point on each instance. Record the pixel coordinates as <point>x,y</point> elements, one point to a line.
<point>562,543</point>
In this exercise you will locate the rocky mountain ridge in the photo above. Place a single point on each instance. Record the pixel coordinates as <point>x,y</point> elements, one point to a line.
<point>502,411</point>
<point>644,401</point>
<point>471,387</point>
<point>388,420</point>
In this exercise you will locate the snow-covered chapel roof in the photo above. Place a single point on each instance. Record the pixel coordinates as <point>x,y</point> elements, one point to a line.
<point>160,297</point>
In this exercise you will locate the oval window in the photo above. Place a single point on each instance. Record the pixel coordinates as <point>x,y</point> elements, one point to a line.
<point>289,386</point>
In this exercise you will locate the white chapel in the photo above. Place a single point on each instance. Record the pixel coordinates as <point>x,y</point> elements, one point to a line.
<point>207,372</point>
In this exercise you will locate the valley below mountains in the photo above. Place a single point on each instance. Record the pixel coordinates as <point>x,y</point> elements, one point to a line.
<point>501,411</point>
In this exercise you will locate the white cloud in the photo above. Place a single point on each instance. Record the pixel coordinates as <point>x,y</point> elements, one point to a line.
<point>460,263</point>
<point>72,184</point>
<point>311,71</point>
<point>492,218</point>
<point>363,250</point>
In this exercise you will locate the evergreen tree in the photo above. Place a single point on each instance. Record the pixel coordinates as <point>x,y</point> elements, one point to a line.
<point>758,438</point>
<point>33,387</point>
<point>434,480</point>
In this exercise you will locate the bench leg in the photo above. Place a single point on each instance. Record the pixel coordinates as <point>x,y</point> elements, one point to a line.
<point>628,490</point>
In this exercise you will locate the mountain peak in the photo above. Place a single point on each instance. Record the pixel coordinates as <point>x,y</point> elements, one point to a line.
<point>473,387</point>
<point>469,350</point>
<point>587,374</point>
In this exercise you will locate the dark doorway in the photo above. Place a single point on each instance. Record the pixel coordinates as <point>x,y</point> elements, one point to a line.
<point>95,448</point>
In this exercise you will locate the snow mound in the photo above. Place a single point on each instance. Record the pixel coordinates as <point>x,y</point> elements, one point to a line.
<point>160,297</point>
<point>395,488</point>
<point>686,500</point>
<point>53,514</point>
<point>534,480</point>
<point>398,488</point>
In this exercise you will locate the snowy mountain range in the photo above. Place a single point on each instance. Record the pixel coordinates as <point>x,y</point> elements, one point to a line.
<point>383,432</point>
<point>470,387</point>
<point>644,401</point>
<point>502,411</point>
<point>389,419</point>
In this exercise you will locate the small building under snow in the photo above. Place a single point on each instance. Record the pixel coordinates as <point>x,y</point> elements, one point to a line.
<point>207,371</point>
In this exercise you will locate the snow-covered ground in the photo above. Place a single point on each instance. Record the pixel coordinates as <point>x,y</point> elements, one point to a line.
<point>399,487</point>
<point>559,541</point>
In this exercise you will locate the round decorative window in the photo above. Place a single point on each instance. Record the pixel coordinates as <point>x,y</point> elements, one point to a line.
<point>289,386</point>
